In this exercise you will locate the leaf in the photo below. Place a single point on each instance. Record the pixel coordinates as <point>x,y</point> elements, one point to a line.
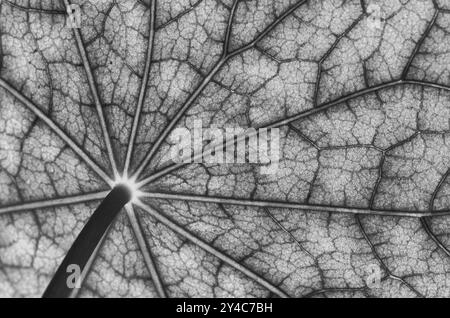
<point>360,91</point>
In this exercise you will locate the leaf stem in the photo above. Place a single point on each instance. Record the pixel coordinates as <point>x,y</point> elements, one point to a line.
<point>85,244</point>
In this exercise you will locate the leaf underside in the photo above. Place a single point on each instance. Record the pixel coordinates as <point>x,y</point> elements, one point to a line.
<point>360,91</point>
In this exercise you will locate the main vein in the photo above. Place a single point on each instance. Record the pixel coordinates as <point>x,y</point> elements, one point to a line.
<point>143,90</point>
<point>287,205</point>
<point>95,95</point>
<point>145,251</point>
<point>48,203</point>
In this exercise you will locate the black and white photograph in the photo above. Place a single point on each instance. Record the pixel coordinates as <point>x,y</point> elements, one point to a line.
<point>224,154</point>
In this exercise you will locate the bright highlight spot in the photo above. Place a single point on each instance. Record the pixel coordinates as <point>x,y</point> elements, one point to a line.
<point>131,185</point>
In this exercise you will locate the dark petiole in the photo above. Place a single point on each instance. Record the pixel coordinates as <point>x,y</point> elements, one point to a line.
<point>86,242</point>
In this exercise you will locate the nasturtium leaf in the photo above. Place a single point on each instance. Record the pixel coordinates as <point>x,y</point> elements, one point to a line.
<point>359,205</point>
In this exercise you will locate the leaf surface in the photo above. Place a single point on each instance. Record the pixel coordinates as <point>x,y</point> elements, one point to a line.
<point>360,91</point>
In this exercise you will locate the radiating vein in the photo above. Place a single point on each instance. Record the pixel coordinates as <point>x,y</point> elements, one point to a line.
<point>286,205</point>
<point>304,114</point>
<point>145,251</point>
<point>95,95</point>
<point>354,95</point>
<point>54,202</point>
<point>56,129</point>
<point>226,42</point>
<point>162,137</point>
<point>143,90</point>
<point>205,246</point>
<point>225,57</point>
